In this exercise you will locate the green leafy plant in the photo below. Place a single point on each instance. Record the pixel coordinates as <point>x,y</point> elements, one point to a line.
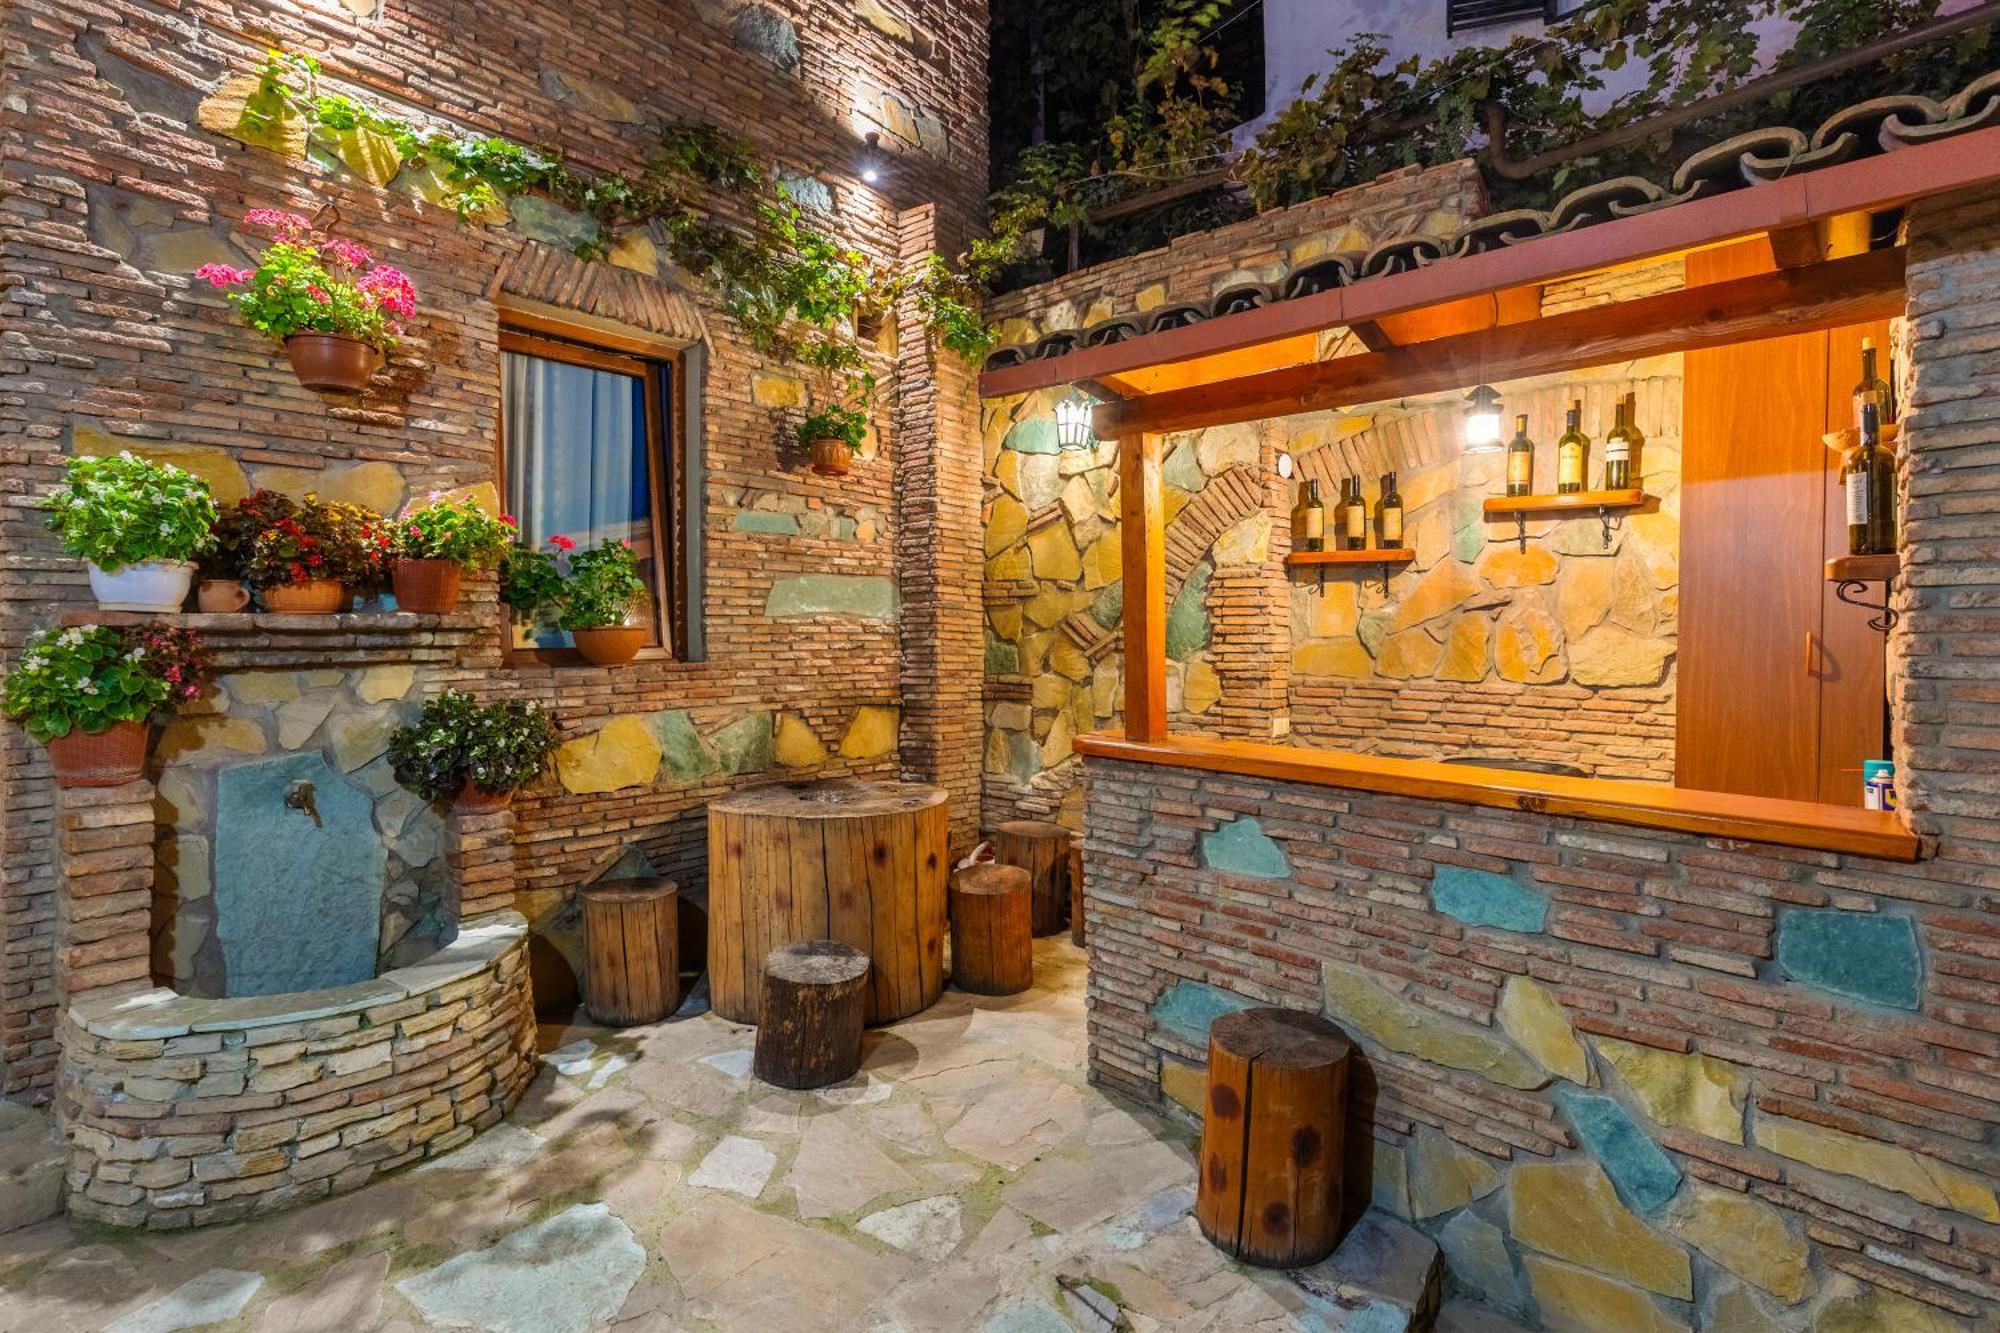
<point>849,425</point>
<point>121,510</point>
<point>92,677</point>
<point>457,741</point>
<point>531,580</point>
<point>603,587</point>
<point>275,540</point>
<point>455,530</point>
<point>308,281</point>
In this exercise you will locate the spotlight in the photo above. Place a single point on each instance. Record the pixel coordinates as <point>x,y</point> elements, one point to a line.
<point>1482,421</point>
<point>871,158</point>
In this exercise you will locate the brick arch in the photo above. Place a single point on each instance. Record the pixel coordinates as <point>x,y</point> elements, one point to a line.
<point>1228,499</point>
<point>1420,439</point>
<point>602,290</point>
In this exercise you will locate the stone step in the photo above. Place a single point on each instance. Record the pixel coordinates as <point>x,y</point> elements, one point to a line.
<point>1383,1270</point>
<point>32,1159</point>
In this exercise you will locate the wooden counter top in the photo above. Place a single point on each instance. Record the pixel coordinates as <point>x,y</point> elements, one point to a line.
<point>1828,828</point>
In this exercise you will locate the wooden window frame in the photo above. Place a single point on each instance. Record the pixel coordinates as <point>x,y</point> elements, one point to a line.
<point>655,365</point>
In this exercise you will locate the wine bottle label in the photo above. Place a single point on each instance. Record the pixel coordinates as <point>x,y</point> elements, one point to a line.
<point>1569,468</point>
<point>1520,469</point>
<point>1392,524</point>
<point>1857,499</point>
<point>1617,451</point>
<point>1314,523</point>
<point>1357,521</point>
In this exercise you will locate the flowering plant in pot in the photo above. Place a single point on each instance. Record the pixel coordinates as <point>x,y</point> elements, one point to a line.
<point>89,694</point>
<point>305,557</point>
<point>599,601</point>
<point>138,523</point>
<point>323,298</point>
<point>471,753</point>
<point>434,544</point>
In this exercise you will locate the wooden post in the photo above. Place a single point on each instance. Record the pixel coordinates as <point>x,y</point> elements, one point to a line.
<point>1041,849</point>
<point>1269,1191</point>
<point>1143,538</point>
<point>992,930</point>
<point>815,997</point>
<point>631,932</point>
<point>1076,894</point>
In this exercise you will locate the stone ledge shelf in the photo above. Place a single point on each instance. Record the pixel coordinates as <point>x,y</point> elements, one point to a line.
<point>259,640</point>
<point>185,1112</point>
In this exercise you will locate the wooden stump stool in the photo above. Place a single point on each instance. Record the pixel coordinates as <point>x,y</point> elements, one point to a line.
<point>815,998</point>
<point>992,935</point>
<point>1076,895</point>
<point>1271,1146</point>
<point>631,933</point>
<point>1041,849</point>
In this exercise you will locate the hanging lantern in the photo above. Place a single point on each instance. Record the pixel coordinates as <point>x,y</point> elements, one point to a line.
<point>1482,421</point>
<point>1073,421</point>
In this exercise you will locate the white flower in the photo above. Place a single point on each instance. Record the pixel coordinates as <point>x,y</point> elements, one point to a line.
<point>88,687</point>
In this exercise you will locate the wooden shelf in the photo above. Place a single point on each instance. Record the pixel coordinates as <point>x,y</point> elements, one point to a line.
<point>1587,501</point>
<point>1862,568</point>
<point>1392,555</point>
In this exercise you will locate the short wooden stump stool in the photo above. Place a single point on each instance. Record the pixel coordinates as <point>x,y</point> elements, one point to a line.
<point>631,940</point>
<point>815,1001</point>
<point>1041,849</point>
<point>1270,1188</point>
<point>860,862</point>
<point>992,934</point>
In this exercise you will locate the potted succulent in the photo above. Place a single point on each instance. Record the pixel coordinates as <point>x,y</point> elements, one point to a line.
<point>599,602</point>
<point>305,557</point>
<point>88,694</point>
<point>138,523</point>
<point>433,545</point>
<point>471,753</point>
<point>335,310</point>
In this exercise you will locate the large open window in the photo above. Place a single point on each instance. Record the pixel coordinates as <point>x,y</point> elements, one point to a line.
<point>590,454</point>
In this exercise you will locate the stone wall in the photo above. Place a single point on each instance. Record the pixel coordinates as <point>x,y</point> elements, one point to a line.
<point>120,174</point>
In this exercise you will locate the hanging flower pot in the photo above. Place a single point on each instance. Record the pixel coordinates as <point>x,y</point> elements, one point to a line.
<point>426,587</point>
<point>108,758</point>
<point>222,596</point>
<point>314,597</point>
<point>473,799</point>
<point>154,585</point>
<point>332,362</point>
<point>831,458</point>
<point>611,644</point>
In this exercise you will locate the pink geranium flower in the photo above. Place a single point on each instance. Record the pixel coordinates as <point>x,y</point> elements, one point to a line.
<point>289,226</point>
<point>390,290</point>
<point>347,252</point>
<point>222,275</point>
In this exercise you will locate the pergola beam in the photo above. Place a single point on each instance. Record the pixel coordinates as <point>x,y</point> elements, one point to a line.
<point>1797,300</point>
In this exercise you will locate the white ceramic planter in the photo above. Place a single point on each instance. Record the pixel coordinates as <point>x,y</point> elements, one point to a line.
<point>157,585</point>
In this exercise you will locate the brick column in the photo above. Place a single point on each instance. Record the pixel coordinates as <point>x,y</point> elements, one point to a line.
<point>104,896</point>
<point>479,854</point>
<point>1250,613</point>
<point>940,559</point>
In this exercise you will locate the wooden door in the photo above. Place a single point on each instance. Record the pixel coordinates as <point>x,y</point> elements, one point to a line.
<point>1753,519</point>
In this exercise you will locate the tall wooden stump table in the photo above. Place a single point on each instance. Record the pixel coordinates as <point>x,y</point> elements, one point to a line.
<point>863,863</point>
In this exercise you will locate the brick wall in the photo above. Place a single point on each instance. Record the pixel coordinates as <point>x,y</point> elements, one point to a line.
<point>111,192</point>
<point>1634,1078</point>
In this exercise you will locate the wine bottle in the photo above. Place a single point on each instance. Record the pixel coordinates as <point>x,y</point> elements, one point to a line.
<point>1620,448</point>
<point>1389,514</point>
<point>1521,459</point>
<point>1867,482</point>
<point>1572,452</point>
<point>1354,515</point>
<point>1872,387</point>
<point>1309,519</point>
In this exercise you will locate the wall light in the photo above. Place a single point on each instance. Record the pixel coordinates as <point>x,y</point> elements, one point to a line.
<point>871,158</point>
<point>1073,421</point>
<point>1482,421</point>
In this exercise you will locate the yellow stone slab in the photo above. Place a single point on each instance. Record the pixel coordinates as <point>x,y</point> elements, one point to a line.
<point>1694,1091</point>
<point>622,753</point>
<point>1574,1301</point>
<point>1534,1018</point>
<point>871,734</point>
<point>796,744</point>
<point>1570,1210</point>
<point>1746,1236</point>
<point>1885,1165</point>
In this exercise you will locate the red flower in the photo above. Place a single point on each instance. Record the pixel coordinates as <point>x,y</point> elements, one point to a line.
<point>562,543</point>
<point>298,572</point>
<point>509,520</point>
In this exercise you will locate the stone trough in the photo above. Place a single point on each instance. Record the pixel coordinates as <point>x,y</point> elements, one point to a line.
<point>183,1111</point>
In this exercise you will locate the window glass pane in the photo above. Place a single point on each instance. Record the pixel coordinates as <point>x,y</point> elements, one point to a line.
<point>578,464</point>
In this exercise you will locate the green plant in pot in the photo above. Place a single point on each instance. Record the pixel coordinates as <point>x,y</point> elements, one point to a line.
<point>434,544</point>
<point>834,432</point>
<point>89,693</point>
<point>601,604</point>
<point>305,557</point>
<point>471,753</point>
<point>140,524</point>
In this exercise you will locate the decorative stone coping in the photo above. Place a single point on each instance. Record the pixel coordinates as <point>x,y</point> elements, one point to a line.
<point>183,1112</point>
<point>254,640</point>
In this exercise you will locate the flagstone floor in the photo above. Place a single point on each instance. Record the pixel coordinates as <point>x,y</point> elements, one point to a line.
<point>969,1179</point>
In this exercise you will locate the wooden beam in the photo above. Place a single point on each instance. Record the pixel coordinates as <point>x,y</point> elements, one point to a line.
<point>1841,291</point>
<point>1143,543</point>
<point>1797,246</point>
<point>1370,334</point>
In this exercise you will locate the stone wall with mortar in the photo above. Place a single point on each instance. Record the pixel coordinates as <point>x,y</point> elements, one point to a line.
<point>1629,1078</point>
<point>123,167</point>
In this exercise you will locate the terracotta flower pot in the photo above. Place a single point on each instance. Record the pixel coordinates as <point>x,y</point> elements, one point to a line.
<point>474,800</point>
<point>222,596</point>
<point>108,758</point>
<point>314,597</point>
<point>332,362</point>
<point>831,458</point>
<point>611,645</point>
<point>426,587</point>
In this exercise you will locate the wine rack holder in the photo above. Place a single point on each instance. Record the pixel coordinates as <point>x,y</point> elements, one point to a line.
<point>1851,575</point>
<point>1385,559</point>
<point>1605,504</point>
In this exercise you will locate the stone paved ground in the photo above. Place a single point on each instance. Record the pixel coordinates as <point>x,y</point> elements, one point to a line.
<point>970,1179</point>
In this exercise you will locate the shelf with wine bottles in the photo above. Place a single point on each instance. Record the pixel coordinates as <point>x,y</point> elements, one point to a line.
<point>1601,503</point>
<point>1850,576</point>
<point>1385,558</point>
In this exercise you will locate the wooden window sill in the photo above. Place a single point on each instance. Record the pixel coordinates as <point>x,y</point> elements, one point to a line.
<point>1827,828</point>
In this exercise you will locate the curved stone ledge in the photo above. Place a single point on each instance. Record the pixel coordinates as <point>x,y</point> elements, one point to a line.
<point>184,1112</point>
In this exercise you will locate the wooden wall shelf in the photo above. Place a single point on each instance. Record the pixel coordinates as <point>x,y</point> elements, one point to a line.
<point>1862,568</point>
<point>1588,501</point>
<point>1394,555</point>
